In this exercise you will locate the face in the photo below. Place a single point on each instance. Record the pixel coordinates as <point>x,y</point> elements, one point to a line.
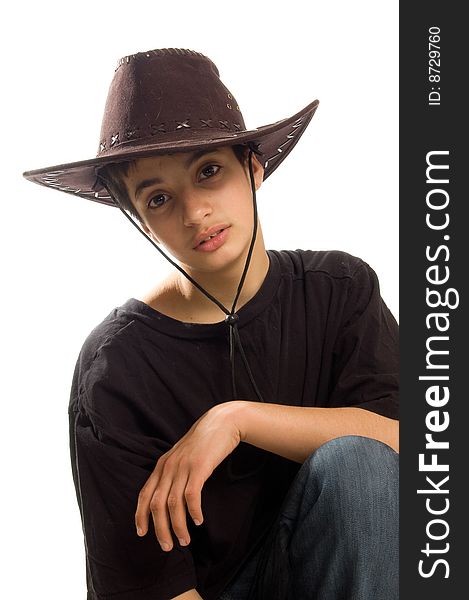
<point>184,198</point>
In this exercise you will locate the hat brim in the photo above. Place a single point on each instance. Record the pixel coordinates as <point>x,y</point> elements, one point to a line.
<point>275,142</point>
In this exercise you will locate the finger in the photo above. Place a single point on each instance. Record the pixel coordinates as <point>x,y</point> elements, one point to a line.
<point>143,503</point>
<point>192,494</point>
<point>177,509</point>
<point>160,514</point>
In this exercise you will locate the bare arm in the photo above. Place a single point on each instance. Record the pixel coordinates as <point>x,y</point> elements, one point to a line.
<point>190,595</point>
<point>296,431</point>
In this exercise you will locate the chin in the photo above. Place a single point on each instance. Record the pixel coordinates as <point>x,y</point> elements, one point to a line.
<point>224,258</point>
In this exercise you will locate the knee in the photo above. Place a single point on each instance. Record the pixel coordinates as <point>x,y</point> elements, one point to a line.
<point>354,468</point>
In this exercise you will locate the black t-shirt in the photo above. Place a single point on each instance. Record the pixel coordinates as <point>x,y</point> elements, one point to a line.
<point>317,333</point>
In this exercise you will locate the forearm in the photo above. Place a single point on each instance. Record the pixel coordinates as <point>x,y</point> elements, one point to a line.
<point>190,595</point>
<point>295,431</point>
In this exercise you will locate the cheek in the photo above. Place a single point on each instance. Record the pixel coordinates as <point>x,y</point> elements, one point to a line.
<point>156,234</point>
<point>240,202</point>
<point>171,238</point>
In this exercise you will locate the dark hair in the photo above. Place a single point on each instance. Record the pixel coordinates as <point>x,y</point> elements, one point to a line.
<point>111,176</point>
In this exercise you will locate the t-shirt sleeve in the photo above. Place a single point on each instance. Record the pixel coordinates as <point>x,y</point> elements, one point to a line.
<point>365,372</point>
<point>110,464</point>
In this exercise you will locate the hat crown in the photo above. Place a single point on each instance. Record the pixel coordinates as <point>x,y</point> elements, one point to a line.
<point>163,95</point>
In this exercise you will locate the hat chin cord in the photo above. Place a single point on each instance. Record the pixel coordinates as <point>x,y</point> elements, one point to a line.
<point>231,317</point>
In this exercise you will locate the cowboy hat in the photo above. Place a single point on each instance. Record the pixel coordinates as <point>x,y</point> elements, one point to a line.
<point>165,101</point>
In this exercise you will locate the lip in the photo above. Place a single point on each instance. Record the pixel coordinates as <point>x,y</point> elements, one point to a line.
<point>215,242</point>
<point>207,233</point>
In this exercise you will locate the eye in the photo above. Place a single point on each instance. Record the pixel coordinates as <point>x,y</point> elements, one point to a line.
<point>209,171</point>
<point>158,200</point>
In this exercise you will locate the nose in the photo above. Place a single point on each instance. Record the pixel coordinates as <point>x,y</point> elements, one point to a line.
<point>196,206</point>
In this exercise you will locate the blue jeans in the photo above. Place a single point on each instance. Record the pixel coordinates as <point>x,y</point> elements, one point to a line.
<point>337,534</point>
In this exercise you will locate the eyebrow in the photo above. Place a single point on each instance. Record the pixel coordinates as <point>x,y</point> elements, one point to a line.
<point>154,180</point>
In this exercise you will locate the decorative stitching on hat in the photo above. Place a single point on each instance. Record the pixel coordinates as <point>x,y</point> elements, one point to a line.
<point>160,52</point>
<point>52,179</point>
<point>290,137</point>
<point>132,133</point>
<point>154,128</point>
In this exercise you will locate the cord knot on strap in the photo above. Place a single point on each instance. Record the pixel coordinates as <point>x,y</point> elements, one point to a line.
<point>231,319</point>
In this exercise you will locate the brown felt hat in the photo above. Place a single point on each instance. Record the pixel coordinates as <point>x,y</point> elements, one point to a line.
<point>164,101</point>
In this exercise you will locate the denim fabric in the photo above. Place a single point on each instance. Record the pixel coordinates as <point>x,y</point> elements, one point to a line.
<point>338,530</point>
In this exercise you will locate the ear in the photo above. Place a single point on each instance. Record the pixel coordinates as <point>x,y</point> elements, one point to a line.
<point>149,232</point>
<point>257,169</point>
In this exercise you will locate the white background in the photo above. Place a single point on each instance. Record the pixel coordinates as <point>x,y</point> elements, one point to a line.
<point>66,262</point>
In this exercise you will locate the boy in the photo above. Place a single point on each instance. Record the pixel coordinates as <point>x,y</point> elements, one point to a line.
<point>199,416</point>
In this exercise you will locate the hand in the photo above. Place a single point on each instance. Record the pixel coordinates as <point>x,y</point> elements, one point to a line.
<point>180,473</point>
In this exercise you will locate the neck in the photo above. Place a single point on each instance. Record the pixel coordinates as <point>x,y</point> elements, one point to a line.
<point>224,285</point>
